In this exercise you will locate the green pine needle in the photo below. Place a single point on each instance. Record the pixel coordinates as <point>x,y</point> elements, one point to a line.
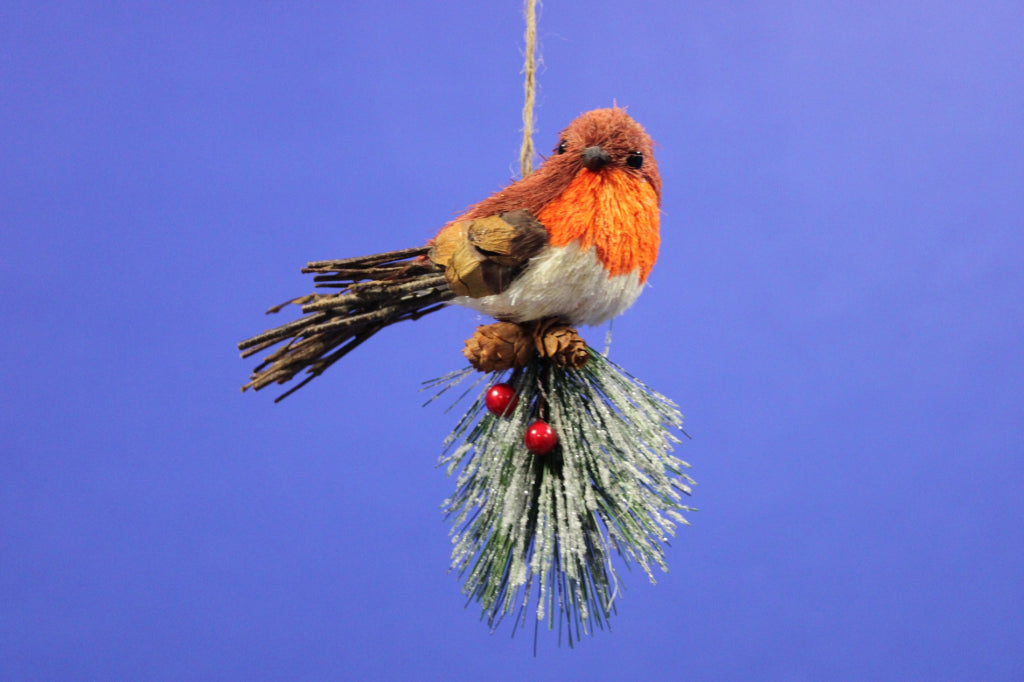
<point>541,529</point>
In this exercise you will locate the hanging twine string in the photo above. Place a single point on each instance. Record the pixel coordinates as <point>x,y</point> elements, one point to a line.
<point>529,87</point>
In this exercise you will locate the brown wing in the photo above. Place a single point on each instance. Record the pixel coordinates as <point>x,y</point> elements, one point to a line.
<point>481,257</point>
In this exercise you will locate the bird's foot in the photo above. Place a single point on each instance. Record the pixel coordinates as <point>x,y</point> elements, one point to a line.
<point>499,346</point>
<point>505,345</point>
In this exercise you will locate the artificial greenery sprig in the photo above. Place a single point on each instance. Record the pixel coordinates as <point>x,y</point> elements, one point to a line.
<point>541,529</point>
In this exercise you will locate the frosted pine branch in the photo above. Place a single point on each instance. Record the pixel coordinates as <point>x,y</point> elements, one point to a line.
<point>537,532</point>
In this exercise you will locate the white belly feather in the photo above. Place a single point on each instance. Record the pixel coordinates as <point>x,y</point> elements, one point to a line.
<point>562,282</point>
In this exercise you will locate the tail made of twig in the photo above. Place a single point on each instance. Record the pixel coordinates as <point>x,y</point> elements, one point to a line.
<point>374,292</point>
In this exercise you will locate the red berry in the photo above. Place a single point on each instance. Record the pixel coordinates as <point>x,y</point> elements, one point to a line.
<point>501,399</point>
<point>540,438</point>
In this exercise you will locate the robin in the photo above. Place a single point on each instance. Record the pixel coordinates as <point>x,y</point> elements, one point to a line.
<point>570,244</point>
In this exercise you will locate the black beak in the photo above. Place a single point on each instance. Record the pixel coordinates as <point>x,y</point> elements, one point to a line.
<point>595,157</point>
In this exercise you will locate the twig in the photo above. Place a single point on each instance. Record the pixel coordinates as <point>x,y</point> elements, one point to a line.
<point>375,292</point>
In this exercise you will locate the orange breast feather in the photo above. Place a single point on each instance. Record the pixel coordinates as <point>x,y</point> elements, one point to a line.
<point>614,212</point>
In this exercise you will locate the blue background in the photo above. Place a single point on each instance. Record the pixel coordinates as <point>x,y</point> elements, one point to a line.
<point>838,308</point>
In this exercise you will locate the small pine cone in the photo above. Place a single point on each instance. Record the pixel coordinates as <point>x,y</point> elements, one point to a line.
<point>499,346</point>
<point>557,340</point>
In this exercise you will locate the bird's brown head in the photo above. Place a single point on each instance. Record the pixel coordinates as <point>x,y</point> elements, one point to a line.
<point>599,141</point>
<point>603,140</point>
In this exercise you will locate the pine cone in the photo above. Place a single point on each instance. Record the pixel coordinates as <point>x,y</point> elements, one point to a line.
<point>499,346</point>
<point>557,340</point>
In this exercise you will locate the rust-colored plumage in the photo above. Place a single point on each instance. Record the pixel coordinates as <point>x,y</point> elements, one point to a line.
<point>612,129</point>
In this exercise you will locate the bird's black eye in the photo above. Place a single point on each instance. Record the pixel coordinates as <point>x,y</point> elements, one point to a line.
<point>560,149</point>
<point>635,160</point>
